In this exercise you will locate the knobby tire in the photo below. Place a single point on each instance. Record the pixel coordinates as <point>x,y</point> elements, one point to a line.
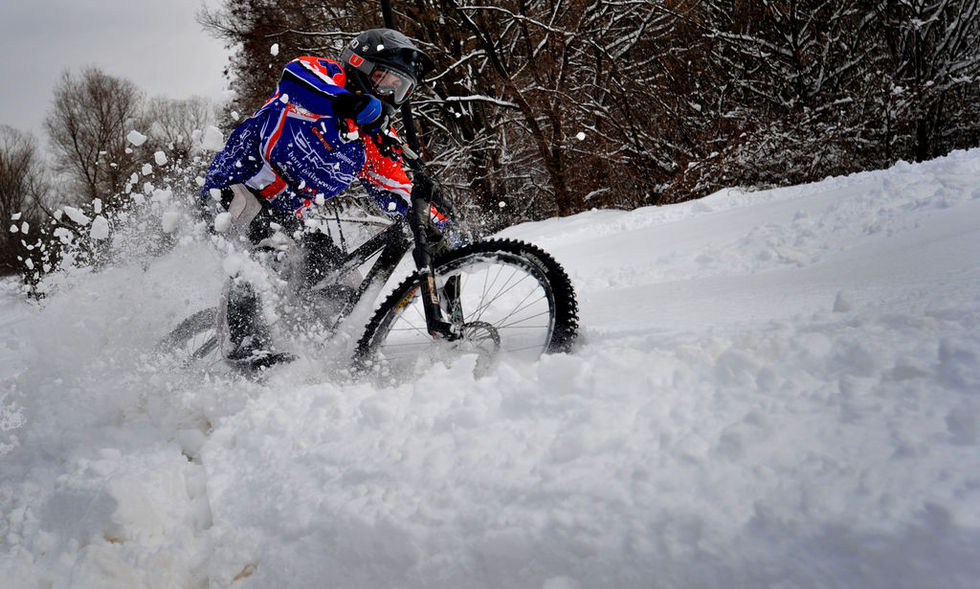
<point>498,258</point>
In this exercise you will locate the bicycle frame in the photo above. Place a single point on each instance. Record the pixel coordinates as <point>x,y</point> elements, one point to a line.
<point>390,246</point>
<point>393,243</point>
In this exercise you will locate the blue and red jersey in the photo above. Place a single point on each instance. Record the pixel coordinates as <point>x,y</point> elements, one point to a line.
<point>294,150</point>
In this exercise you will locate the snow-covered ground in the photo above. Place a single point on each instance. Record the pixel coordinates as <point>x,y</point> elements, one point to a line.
<point>772,389</point>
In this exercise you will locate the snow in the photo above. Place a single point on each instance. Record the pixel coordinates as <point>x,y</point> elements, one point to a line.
<point>136,138</point>
<point>77,215</point>
<point>100,228</point>
<point>222,222</point>
<point>772,389</point>
<point>170,221</point>
<point>213,139</point>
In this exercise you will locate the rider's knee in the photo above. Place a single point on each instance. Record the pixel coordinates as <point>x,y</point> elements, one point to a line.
<point>245,214</point>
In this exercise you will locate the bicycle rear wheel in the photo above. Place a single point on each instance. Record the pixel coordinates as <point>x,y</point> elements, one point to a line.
<point>195,340</point>
<point>514,300</point>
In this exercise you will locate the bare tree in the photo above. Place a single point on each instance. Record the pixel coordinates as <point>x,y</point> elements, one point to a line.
<point>22,187</point>
<point>174,127</point>
<point>87,129</point>
<point>175,124</point>
<point>934,74</point>
<point>104,167</point>
<point>296,27</point>
<point>787,88</point>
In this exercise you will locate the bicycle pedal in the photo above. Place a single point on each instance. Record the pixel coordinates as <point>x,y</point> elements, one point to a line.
<point>258,361</point>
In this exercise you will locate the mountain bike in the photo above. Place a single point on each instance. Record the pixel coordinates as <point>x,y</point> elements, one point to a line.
<point>492,298</point>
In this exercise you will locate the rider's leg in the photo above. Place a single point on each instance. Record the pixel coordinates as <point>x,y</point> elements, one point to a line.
<point>248,332</point>
<point>320,257</point>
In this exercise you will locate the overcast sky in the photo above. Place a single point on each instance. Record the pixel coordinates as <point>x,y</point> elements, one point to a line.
<point>157,44</point>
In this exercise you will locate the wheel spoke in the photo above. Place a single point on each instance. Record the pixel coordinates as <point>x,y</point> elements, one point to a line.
<point>484,296</point>
<point>196,340</point>
<point>488,302</point>
<point>521,307</point>
<point>514,323</point>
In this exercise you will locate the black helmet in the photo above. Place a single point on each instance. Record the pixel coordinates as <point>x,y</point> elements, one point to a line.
<point>385,63</point>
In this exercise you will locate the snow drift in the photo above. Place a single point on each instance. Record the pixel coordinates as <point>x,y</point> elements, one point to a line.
<point>772,389</point>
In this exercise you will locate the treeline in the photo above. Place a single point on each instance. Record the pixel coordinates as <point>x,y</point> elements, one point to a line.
<point>111,152</point>
<point>544,107</point>
<point>537,108</point>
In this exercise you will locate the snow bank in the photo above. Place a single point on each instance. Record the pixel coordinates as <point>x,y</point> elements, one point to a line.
<point>773,389</point>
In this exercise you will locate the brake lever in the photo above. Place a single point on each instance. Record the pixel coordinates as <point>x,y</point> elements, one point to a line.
<point>413,159</point>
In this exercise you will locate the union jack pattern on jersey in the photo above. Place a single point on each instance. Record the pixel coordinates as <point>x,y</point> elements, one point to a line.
<point>294,150</point>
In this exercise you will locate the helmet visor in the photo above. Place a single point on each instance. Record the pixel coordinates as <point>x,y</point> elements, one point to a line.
<point>389,82</point>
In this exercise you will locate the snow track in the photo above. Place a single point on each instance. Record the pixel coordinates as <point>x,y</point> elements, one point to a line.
<point>773,389</point>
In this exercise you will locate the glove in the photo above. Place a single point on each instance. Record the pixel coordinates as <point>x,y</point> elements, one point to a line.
<point>363,109</point>
<point>387,142</point>
<point>372,120</point>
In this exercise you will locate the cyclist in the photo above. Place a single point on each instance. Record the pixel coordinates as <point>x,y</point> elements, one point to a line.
<point>327,125</point>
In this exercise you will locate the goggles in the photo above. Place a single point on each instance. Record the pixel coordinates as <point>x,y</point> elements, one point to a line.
<point>386,81</point>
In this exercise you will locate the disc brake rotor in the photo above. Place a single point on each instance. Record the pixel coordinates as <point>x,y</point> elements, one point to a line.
<point>480,337</point>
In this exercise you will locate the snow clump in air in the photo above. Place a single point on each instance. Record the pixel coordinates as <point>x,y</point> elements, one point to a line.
<point>213,140</point>
<point>170,221</point>
<point>222,222</point>
<point>136,138</point>
<point>77,216</point>
<point>100,228</point>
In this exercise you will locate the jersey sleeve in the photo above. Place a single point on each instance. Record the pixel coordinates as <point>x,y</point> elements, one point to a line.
<point>386,181</point>
<point>388,184</point>
<point>313,83</point>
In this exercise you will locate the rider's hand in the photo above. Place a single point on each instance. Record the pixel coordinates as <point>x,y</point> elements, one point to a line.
<point>372,119</point>
<point>363,109</point>
<point>387,142</point>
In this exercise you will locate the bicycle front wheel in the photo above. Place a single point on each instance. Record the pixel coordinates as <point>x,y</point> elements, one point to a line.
<point>506,298</point>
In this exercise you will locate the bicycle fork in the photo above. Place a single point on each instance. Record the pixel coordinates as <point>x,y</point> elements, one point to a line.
<point>435,322</point>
